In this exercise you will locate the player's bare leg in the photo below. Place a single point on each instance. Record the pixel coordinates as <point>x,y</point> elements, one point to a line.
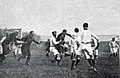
<point>73,63</point>
<point>77,61</point>
<point>59,59</point>
<point>72,55</point>
<point>92,62</point>
<point>89,61</point>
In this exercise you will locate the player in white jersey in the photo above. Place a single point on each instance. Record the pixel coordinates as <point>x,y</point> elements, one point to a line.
<point>84,40</point>
<point>53,49</point>
<point>113,47</point>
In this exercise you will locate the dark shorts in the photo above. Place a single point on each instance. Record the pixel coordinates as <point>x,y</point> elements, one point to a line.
<point>59,48</point>
<point>6,49</point>
<point>25,51</point>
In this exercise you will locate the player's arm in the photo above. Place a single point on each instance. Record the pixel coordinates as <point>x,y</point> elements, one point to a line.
<point>36,41</point>
<point>69,35</point>
<point>97,45</point>
<point>78,40</point>
<point>46,43</point>
<point>55,42</point>
<point>117,45</point>
<point>24,38</point>
<point>110,44</point>
<point>2,39</point>
<point>93,35</point>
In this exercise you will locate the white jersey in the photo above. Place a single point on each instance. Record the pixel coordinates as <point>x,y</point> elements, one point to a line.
<point>113,44</point>
<point>85,36</point>
<point>85,39</point>
<point>113,47</point>
<point>53,41</point>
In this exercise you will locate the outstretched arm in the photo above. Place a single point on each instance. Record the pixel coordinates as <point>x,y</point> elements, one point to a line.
<point>36,41</point>
<point>69,35</point>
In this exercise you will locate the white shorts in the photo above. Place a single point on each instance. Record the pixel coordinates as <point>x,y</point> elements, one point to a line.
<point>73,49</point>
<point>86,50</point>
<point>113,50</point>
<point>54,50</point>
<point>65,45</point>
<point>17,51</point>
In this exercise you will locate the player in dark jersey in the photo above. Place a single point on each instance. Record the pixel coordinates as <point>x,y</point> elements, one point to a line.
<point>61,37</point>
<point>26,47</point>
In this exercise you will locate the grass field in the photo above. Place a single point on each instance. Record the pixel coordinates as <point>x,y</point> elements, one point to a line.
<point>41,67</point>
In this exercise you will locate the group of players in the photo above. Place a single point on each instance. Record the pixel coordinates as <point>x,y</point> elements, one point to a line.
<point>20,46</point>
<point>83,43</point>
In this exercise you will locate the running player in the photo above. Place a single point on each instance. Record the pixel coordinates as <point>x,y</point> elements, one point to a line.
<point>53,49</point>
<point>61,37</point>
<point>28,39</point>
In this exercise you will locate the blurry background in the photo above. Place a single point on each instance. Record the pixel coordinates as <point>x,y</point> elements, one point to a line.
<point>44,16</point>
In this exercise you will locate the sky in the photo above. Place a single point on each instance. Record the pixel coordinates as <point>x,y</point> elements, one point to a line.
<point>44,16</point>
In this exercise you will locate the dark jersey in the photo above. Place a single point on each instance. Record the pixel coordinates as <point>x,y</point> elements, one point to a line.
<point>48,44</point>
<point>10,38</point>
<point>61,36</point>
<point>28,39</point>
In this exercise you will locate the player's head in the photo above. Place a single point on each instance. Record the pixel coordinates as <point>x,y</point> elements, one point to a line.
<point>85,26</point>
<point>54,33</point>
<point>16,32</point>
<point>32,33</point>
<point>48,40</point>
<point>76,30</point>
<point>64,31</point>
<point>113,39</point>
